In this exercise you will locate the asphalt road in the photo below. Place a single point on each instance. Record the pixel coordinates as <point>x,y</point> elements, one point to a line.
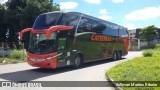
<point>94,71</point>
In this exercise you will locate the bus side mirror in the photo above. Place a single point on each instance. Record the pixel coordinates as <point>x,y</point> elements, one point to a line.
<point>24,31</point>
<point>57,28</point>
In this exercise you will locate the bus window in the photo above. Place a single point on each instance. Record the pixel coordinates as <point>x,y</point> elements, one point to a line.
<point>111,30</point>
<point>84,25</point>
<point>123,32</point>
<point>99,28</point>
<point>88,24</point>
<point>69,20</point>
<point>64,33</point>
<point>62,43</point>
<point>45,21</point>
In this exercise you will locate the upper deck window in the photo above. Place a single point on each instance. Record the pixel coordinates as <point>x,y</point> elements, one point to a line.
<point>88,24</point>
<point>123,32</point>
<point>44,21</point>
<point>69,19</point>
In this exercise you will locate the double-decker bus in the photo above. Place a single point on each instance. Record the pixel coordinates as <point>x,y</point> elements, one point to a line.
<point>60,39</point>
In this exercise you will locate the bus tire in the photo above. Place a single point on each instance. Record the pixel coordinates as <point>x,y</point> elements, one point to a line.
<point>78,60</point>
<point>119,54</point>
<point>115,56</point>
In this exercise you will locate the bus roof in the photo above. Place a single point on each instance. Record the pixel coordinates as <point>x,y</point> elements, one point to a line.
<point>78,13</point>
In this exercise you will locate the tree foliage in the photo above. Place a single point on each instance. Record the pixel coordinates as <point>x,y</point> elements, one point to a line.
<point>2,26</point>
<point>148,33</point>
<point>15,15</point>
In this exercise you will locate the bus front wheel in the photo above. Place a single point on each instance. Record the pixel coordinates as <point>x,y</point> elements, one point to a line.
<point>78,61</point>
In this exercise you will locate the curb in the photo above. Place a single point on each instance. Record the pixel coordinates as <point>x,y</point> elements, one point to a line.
<point>113,84</point>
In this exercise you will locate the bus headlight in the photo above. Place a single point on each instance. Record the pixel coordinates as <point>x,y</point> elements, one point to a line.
<point>40,60</point>
<point>49,58</point>
<point>37,59</point>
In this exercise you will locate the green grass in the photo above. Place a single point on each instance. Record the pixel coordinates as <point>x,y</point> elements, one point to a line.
<point>17,54</point>
<point>138,69</point>
<point>15,57</point>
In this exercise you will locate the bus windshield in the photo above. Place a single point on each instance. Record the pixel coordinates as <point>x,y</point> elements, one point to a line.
<point>44,21</point>
<point>40,45</point>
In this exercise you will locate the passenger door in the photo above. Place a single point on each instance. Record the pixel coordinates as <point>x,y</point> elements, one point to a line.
<point>62,52</point>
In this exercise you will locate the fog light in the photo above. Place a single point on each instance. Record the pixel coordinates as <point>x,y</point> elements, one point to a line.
<point>49,64</point>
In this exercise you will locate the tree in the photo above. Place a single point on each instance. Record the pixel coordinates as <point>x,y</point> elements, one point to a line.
<point>2,10</point>
<point>20,14</point>
<point>2,26</point>
<point>148,33</point>
<point>34,8</point>
<point>13,9</point>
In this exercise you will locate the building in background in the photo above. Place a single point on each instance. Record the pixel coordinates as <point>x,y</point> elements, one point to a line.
<point>133,45</point>
<point>134,40</point>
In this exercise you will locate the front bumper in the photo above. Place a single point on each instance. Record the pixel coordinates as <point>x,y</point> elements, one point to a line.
<point>44,64</point>
<point>42,61</point>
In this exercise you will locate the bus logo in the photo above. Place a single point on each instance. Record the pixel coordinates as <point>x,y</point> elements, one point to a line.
<point>101,38</point>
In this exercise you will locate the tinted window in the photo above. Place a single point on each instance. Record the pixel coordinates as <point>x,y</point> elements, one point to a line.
<point>45,21</point>
<point>123,32</point>
<point>40,45</point>
<point>69,19</point>
<point>111,29</point>
<point>85,25</point>
<point>64,33</point>
<point>88,24</point>
<point>99,27</point>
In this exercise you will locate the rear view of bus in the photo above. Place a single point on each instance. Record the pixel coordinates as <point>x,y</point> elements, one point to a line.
<point>59,39</point>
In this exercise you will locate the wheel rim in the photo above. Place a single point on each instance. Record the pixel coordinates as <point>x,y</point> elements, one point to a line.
<point>119,55</point>
<point>77,61</point>
<point>115,56</point>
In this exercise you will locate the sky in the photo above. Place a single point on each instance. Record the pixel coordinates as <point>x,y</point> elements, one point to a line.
<point>128,13</point>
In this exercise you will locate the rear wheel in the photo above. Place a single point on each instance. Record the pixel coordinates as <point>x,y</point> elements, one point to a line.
<point>119,55</point>
<point>115,56</point>
<point>78,61</point>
